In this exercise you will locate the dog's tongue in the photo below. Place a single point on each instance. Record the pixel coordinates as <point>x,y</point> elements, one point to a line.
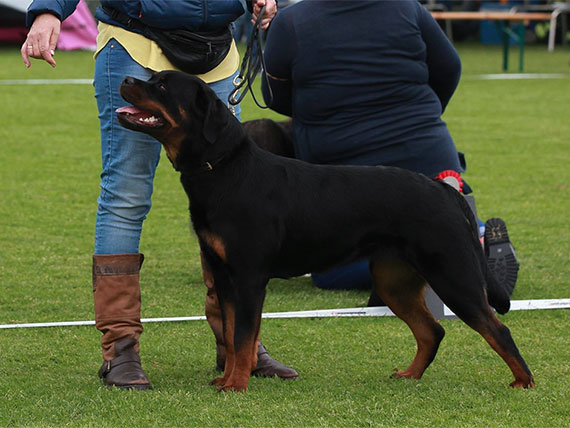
<point>128,109</point>
<point>141,117</point>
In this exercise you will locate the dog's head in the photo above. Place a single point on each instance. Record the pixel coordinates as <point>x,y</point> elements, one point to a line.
<point>181,112</point>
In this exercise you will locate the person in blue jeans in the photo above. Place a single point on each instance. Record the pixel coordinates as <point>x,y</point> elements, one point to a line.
<point>129,160</point>
<point>366,83</point>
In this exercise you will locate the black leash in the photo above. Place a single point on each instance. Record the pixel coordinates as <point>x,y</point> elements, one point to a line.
<point>253,62</point>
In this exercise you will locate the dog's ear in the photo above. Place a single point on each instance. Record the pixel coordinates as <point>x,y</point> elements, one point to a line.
<point>215,116</point>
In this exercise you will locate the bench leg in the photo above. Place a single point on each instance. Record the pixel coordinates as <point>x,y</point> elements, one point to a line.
<point>507,33</point>
<point>506,40</point>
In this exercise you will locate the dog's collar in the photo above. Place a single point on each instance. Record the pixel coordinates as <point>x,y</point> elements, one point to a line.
<point>201,168</point>
<point>207,166</point>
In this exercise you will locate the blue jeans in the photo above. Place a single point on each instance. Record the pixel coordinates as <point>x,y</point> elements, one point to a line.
<point>354,276</point>
<point>129,158</point>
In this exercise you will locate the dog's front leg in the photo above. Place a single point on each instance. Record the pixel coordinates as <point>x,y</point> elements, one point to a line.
<point>228,317</point>
<point>246,323</point>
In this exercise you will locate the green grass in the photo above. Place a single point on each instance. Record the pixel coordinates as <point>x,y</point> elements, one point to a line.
<point>516,137</point>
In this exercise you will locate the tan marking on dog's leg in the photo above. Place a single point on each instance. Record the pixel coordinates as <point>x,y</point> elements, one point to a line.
<point>244,361</point>
<point>213,312</point>
<point>254,352</point>
<point>499,337</point>
<point>207,275</point>
<point>215,243</point>
<point>403,290</point>
<point>229,330</point>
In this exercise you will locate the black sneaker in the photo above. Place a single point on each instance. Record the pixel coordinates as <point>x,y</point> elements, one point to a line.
<point>501,257</point>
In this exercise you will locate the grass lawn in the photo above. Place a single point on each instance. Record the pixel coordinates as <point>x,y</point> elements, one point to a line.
<point>516,135</point>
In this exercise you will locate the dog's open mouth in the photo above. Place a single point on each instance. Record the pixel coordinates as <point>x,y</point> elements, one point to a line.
<point>136,116</point>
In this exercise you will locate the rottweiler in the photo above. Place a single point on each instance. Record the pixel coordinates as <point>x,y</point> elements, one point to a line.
<point>259,216</point>
<point>275,137</point>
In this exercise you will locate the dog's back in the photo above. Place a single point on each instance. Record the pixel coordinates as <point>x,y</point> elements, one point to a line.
<point>348,211</point>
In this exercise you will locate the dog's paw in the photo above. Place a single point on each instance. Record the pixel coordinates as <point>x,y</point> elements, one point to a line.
<point>232,388</point>
<point>404,374</point>
<point>398,375</point>
<point>519,383</point>
<point>235,383</point>
<point>219,381</point>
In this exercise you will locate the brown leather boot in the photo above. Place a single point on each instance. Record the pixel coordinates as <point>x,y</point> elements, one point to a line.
<point>269,367</point>
<point>266,365</point>
<point>117,298</point>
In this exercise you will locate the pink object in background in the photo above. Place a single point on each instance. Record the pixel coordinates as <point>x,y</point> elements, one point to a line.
<point>79,30</point>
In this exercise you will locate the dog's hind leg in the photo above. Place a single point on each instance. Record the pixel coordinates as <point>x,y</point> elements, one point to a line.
<point>463,293</point>
<point>500,339</point>
<point>403,290</point>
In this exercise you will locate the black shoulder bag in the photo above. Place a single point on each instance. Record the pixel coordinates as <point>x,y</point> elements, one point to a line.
<point>191,52</point>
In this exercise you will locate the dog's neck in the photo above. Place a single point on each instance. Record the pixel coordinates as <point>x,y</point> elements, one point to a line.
<point>202,167</point>
<point>211,164</point>
<point>207,184</point>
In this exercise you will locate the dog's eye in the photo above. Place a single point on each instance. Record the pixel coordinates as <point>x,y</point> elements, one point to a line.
<point>161,86</point>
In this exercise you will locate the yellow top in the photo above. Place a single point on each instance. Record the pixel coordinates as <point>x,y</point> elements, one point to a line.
<point>148,54</point>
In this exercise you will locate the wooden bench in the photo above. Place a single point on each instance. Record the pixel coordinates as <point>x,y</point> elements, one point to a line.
<point>503,21</point>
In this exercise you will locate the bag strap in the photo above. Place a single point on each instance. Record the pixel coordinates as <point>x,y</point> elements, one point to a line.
<point>123,18</point>
<point>253,62</point>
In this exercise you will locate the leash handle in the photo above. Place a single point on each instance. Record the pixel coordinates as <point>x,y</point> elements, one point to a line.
<point>253,62</point>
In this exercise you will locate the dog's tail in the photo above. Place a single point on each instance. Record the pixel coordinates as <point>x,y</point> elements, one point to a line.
<point>497,295</point>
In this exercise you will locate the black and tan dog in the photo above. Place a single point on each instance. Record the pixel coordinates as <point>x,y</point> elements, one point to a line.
<point>259,216</point>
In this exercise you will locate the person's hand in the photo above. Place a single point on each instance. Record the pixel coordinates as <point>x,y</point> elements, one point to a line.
<point>270,11</point>
<point>42,39</point>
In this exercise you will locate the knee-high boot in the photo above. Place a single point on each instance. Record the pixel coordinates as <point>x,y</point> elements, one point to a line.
<point>266,365</point>
<point>116,293</point>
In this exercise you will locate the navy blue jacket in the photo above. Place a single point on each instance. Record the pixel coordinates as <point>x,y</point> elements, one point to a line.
<point>365,82</point>
<point>194,15</point>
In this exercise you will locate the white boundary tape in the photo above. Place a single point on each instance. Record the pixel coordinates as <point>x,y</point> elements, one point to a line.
<point>381,311</point>
<point>519,76</point>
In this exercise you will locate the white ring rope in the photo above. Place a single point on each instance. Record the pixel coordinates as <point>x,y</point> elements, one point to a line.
<point>380,311</point>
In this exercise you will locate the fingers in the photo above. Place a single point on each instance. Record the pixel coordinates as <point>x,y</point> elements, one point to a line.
<point>37,49</point>
<point>42,40</point>
<point>268,15</point>
<point>264,22</point>
<point>51,47</point>
<point>40,50</point>
<point>25,54</point>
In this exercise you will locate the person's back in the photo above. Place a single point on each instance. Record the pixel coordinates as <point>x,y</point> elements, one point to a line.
<point>366,83</point>
<point>360,77</point>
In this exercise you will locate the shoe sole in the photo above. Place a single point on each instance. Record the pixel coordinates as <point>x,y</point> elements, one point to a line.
<point>501,257</point>
<point>257,374</point>
<point>283,377</point>
<point>137,387</point>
